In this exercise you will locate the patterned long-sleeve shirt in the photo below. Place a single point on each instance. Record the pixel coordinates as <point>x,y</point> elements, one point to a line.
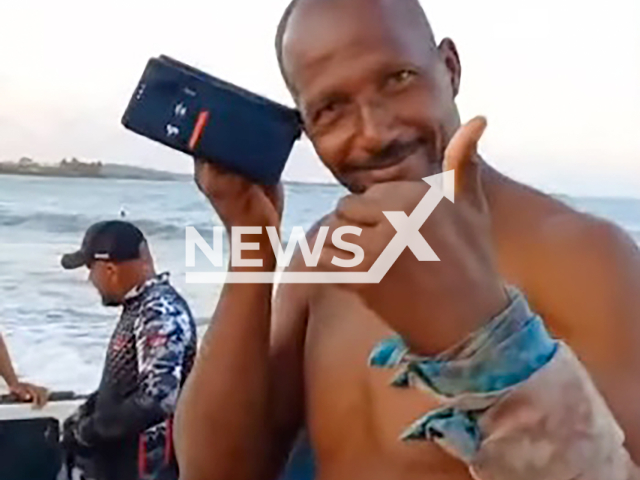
<point>150,354</point>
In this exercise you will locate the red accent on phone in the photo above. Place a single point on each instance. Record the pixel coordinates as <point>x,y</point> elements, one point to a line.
<point>201,122</point>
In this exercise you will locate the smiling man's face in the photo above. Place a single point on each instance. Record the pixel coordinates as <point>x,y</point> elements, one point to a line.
<point>376,94</point>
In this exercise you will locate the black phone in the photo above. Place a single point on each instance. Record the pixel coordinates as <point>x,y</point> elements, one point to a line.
<point>206,117</point>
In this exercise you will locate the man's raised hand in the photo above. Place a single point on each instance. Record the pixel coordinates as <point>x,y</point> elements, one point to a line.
<point>432,304</point>
<point>241,203</point>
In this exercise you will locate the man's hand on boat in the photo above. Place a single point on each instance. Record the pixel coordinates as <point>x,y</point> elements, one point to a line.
<point>27,392</point>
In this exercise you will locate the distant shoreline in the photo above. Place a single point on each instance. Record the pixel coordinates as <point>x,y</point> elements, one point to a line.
<point>167,177</point>
<point>78,169</point>
<point>119,172</point>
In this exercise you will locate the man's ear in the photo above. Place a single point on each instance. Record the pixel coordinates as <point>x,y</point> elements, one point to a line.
<point>112,271</point>
<point>449,55</point>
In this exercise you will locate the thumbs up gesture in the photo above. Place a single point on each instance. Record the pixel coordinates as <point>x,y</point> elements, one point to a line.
<point>431,304</point>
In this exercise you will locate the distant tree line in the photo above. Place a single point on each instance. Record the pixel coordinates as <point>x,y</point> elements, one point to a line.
<point>76,166</point>
<point>73,167</point>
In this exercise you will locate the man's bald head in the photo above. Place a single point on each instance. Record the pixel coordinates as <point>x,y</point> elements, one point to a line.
<point>375,92</point>
<point>411,10</point>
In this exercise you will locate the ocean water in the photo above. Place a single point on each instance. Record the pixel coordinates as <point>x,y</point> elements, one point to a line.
<point>56,327</point>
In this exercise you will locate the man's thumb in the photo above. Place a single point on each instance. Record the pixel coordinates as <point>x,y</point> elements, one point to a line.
<point>460,155</point>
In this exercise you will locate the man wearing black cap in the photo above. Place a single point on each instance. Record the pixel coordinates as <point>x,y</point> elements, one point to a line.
<point>123,431</point>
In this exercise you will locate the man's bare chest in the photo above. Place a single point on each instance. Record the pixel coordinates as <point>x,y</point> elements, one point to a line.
<point>354,414</point>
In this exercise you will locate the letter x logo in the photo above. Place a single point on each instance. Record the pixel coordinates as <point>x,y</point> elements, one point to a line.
<point>408,227</point>
<point>408,230</point>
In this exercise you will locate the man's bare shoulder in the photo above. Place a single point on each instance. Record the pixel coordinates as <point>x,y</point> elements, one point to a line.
<point>586,268</point>
<point>590,260</point>
<point>556,230</point>
<point>581,272</point>
<point>575,234</point>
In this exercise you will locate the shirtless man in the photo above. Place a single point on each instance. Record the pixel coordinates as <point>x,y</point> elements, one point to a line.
<point>377,96</point>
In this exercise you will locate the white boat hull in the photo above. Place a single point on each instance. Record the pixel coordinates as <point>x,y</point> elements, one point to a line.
<point>58,410</point>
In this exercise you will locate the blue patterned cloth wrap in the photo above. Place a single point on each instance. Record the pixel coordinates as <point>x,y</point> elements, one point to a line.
<point>503,353</point>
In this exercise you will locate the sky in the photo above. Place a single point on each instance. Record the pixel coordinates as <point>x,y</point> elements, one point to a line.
<point>558,80</point>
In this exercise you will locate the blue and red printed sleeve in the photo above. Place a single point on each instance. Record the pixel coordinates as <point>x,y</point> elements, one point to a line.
<point>162,332</point>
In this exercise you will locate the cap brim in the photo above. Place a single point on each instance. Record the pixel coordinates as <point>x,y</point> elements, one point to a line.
<point>74,260</point>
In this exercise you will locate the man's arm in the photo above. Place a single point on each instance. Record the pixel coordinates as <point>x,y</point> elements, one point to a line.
<point>591,296</point>
<point>6,367</point>
<point>25,391</point>
<point>514,403</point>
<point>161,339</point>
<point>572,413</point>
<point>243,402</point>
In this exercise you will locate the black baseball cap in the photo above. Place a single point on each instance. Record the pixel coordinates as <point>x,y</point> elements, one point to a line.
<point>110,241</point>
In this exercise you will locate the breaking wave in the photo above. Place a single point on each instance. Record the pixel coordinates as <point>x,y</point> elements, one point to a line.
<point>62,223</point>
